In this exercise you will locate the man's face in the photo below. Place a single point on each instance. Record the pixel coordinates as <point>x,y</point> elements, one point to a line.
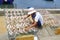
<point>31,14</point>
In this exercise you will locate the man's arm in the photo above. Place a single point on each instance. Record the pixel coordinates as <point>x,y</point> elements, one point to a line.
<point>26,16</point>
<point>33,25</point>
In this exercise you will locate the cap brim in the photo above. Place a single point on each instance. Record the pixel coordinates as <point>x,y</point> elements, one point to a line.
<point>31,12</point>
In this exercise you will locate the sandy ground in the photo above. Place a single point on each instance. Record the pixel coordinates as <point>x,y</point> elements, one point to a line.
<point>3,31</point>
<point>47,33</point>
<point>43,34</point>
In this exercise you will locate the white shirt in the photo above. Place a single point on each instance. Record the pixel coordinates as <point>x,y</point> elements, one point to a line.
<point>39,17</point>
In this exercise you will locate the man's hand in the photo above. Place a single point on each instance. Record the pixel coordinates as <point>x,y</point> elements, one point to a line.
<point>27,28</point>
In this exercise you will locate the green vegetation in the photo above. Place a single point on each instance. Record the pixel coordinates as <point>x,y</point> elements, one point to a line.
<point>6,6</point>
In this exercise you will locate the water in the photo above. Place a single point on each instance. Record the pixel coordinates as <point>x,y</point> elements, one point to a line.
<point>33,3</point>
<point>37,3</point>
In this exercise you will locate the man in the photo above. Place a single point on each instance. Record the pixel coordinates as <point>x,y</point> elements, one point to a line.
<point>37,18</point>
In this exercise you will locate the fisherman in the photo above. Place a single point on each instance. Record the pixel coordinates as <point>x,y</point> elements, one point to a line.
<point>36,17</point>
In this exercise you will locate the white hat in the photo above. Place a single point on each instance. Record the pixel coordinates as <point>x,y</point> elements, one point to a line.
<point>31,10</point>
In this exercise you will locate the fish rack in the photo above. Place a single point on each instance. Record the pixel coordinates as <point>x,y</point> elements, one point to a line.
<point>15,23</point>
<point>14,17</point>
